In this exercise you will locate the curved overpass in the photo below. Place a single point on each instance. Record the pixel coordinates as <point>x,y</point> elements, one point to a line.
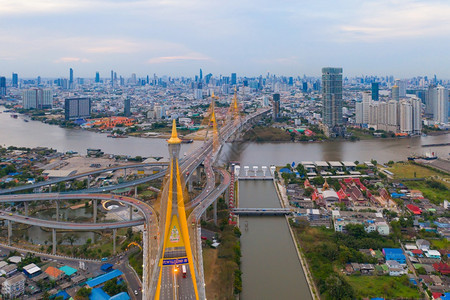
<point>76,176</point>
<point>68,225</point>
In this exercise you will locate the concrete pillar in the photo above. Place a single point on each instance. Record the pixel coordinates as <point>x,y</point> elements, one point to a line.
<point>88,181</point>
<point>9,232</point>
<point>49,188</point>
<point>57,210</point>
<point>54,241</point>
<point>190,184</point>
<point>125,176</point>
<point>204,216</point>
<point>131,212</point>
<point>94,206</point>
<point>25,205</point>
<point>114,240</point>
<point>135,191</point>
<point>215,212</point>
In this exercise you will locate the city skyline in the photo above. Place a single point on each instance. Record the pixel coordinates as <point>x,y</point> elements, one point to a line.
<point>46,38</point>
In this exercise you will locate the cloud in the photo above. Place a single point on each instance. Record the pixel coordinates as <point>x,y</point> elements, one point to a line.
<point>72,59</point>
<point>397,19</point>
<point>168,59</point>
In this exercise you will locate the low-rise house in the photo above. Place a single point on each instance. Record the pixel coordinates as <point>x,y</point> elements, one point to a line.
<point>15,259</point>
<point>423,245</point>
<point>54,273</point>
<point>31,270</point>
<point>394,254</point>
<point>8,270</point>
<point>433,254</point>
<point>367,269</point>
<point>417,252</point>
<point>428,268</point>
<point>356,267</point>
<point>14,286</point>
<point>3,263</point>
<point>426,279</point>
<point>436,280</point>
<point>442,268</point>
<point>395,268</point>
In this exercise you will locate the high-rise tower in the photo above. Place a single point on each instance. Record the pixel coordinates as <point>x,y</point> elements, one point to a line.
<point>71,78</point>
<point>375,91</point>
<point>332,97</point>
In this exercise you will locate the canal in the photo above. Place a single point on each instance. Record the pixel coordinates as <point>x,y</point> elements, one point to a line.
<point>270,266</point>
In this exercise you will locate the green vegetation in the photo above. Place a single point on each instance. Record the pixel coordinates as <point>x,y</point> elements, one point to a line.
<point>83,293</point>
<point>113,288</point>
<point>221,265</point>
<point>433,190</point>
<point>383,286</point>
<point>267,134</point>
<point>440,244</point>
<point>412,170</point>
<point>136,261</point>
<point>327,251</point>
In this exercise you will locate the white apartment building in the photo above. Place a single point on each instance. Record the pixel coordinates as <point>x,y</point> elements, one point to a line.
<point>14,286</point>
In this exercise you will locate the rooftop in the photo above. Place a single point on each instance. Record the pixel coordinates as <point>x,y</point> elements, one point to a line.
<point>103,278</point>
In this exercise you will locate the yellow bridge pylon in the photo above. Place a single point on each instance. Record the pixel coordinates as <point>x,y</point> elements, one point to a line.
<point>233,112</point>
<point>212,122</point>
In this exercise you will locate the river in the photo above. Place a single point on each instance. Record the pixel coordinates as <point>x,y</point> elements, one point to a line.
<point>382,150</point>
<point>270,266</point>
<point>16,132</point>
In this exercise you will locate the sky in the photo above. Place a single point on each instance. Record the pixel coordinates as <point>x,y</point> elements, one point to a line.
<point>404,38</point>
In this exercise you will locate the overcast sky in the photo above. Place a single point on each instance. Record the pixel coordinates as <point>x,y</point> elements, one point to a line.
<point>403,38</point>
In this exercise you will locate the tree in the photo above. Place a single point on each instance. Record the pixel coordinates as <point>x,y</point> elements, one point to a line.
<point>83,293</point>
<point>71,238</point>
<point>338,288</point>
<point>319,180</point>
<point>112,288</point>
<point>308,192</point>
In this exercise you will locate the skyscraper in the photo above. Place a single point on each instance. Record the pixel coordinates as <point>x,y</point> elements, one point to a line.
<point>2,86</point>
<point>375,91</point>
<point>332,97</point>
<point>201,75</point>
<point>71,78</point>
<point>401,87</point>
<point>127,107</point>
<point>395,93</point>
<point>15,80</point>
<point>75,108</point>
<point>430,100</point>
<point>365,107</point>
<point>305,87</point>
<point>233,79</point>
<point>97,77</point>
<point>37,99</point>
<point>440,113</point>
<point>112,78</point>
<point>276,106</point>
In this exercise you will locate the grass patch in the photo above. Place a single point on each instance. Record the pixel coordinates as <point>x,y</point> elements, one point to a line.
<point>440,244</point>
<point>429,191</point>
<point>267,134</point>
<point>383,286</point>
<point>409,170</point>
